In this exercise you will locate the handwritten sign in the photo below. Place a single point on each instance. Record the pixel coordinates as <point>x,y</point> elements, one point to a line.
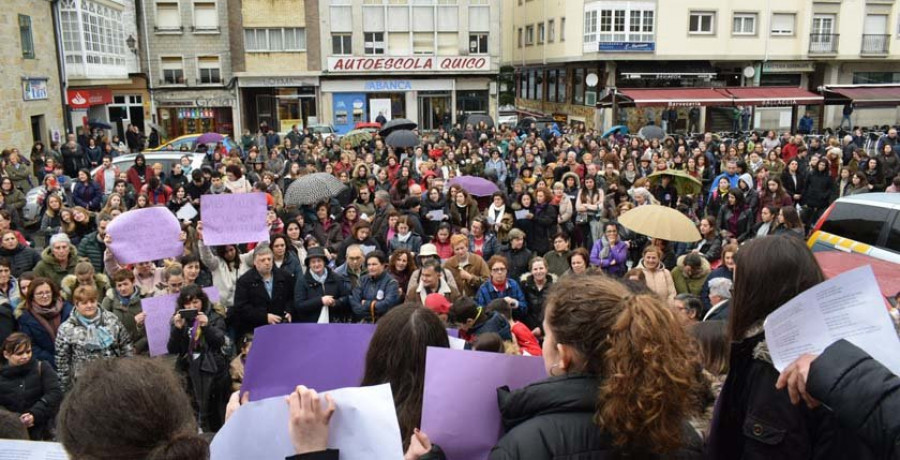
<point>142,235</point>
<point>234,218</point>
<point>158,322</point>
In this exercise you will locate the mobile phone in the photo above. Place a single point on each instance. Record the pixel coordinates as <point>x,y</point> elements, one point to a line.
<point>188,314</point>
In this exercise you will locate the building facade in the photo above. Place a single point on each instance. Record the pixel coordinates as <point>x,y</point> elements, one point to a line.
<point>187,62</point>
<point>700,43</point>
<point>433,62</point>
<point>30,98</point>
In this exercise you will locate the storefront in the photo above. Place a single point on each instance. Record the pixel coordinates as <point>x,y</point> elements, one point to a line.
<point>118,106</point>
<point>88,104</point>
<point>279,102</point>
<point>433,102</point>
<point>180,113</point>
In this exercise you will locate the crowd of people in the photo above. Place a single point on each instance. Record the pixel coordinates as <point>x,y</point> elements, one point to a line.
<point>640,337</point>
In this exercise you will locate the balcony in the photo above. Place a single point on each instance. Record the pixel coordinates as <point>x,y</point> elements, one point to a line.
<point>820,44</point>
<point>875,45</point>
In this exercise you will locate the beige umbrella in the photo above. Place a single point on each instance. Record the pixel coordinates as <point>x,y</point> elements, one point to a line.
<point>660,222</point>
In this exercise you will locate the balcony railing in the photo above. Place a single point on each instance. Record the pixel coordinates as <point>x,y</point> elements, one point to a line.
<point>875,44</point>
<point>823,43</point>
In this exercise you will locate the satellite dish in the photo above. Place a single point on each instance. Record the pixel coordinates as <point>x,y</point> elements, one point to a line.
<point>592,79</point>
<point>749,71</point>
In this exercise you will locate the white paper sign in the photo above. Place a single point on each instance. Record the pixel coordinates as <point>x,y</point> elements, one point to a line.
<point>437,214</point>
<point>522,214</point>
<point>31,450</point>
<point>848,306</point>
<point>187,212</point>
<point>367,248</point>
<point>364,425</point>
<point>457,343</point>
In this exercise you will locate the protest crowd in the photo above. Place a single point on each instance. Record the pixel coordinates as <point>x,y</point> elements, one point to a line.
<point>512,237</point>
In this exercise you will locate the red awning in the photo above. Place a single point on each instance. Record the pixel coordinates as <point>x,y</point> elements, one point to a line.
<point>670,97</point>
<point>778,96</point>
<point>866,95</point>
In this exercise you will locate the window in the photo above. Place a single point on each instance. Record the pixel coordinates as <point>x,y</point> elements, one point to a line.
<point>294,38</point>
<point>859,223</point>
<point>478,43</point>
<point>562,29</point>
<point>341,44</point>
<point>205,16</point>
<point>101,30</point>
<point>783,24</point>
<point>893,240</point>
<point>423,43</point>
<point>173,70</point>
<point>529,35</point>
<point>862,78</point>
<point>520,37</point>
<point>590,26</point>
<point>551,31</point>
<point>448,44</point>
<point>167,15</point>
<point>209,70</point>
<point>578,86</point>
<point>702,22</point>
<point>277,40</point>
<point>25,35</point>
<point>540,33</point>
<point>552,85</point>
<point>744,24</point>
<point>374,43</point>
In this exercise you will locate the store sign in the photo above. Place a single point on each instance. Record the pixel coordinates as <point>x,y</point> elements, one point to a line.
<point>34,89</point>
<point>215,102</point>
<point>787,67</point>
<point>276,82</point>
<point>388,85</point>
<point>85,98</point>
<point>352,64</point>
<point>627,47</point>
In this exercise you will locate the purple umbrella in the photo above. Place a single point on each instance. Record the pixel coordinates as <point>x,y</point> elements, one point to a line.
<point>209,138</point>
<point>475,185</point>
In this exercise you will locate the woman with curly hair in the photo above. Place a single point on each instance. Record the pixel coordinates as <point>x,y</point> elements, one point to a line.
<point>401,266</point>
<point>623,379</point>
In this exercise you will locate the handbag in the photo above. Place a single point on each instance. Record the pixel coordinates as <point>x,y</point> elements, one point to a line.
<point>581,218</point>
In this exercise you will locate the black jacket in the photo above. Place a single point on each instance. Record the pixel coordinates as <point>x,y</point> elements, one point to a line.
<point>252,303</point>
<point>28,389</point>
<point>789,186</point>
<point>211,341</point>
<point>554,419</point>
<point>756,421</point>
<point>819,188</point>
<point>517,262</point>
<point>22,259</point>
<point>544,226</point>
<point>308,294</point>
<point>534,317</point>
<point>864,395</point>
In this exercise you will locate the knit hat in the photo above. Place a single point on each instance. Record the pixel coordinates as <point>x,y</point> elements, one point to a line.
<point>437,303</point>
<point>60,238</point>
<point>516,233</point>
<point>316,252</point>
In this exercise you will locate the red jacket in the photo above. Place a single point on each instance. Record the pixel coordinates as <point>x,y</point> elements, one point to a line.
<point>136,180</point>
<point>100,177</point>
<point>158,196</point>
<point>789,151</point>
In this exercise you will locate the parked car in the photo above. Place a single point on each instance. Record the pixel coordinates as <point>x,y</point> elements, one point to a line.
<point>540,122</point>
<point>325,131</point>
<point>865,224</point>
<point>190,141</point>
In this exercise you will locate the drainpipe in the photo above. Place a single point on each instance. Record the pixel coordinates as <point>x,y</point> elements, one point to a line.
<point>149,66</point>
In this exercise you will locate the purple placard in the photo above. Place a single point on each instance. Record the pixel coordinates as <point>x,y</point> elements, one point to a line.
<point>458,380</point>
<point>158,322</point>
<point>213,293</point>
<point>142,235</point>
<point>234,218</point>
<point>320,356</point>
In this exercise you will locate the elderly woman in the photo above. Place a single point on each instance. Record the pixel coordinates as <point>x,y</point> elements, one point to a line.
<point>29,387</point>
<point>500,286</point>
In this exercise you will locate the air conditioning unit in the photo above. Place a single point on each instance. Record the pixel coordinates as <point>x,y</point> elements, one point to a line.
<point>590,98</point>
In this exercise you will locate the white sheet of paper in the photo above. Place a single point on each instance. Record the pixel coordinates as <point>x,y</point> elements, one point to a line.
<point>364,425</point>
<point>437,214</point>
<point>187,212</point>
<point>31,450</point>
<point>324,316</point>
<point>457,343</point>
<point>522,214</point>
<point>366,249</point>
<point>848,306</point>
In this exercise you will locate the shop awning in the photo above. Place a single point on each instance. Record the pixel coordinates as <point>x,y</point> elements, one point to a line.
<point>773,96</point>
<point>667,97</point>
<point>863,95</point>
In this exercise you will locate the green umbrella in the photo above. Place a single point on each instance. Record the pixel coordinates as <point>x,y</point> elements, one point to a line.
<point>685,184</point>
<point>356,137</point>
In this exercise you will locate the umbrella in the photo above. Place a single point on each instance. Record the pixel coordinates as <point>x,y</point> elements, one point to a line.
<point>402,139</point>
<point>312,188</point>
<point>652,132</point>
<point>685,184</point>
<point>477,186</point>
<point>478,118</point>
<point>618,129</point>
<point>99,124</point>
<point>209,138</point>
<point>357,137</point>
<point>397,124</point>
<point>154,126</point>
<point>660,222</point>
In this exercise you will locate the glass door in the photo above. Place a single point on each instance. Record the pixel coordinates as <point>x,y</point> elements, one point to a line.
<point>822,39</point>
<point>434,111</point>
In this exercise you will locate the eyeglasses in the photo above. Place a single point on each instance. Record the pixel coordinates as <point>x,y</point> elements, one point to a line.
<point>498,270</point>
<point>43,294</point>
<point>611,232</point>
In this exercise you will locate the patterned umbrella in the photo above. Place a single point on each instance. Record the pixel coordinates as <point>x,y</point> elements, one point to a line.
<point>685,184</point>
<point>402,139</point>
<point>312,188</point>
<point>356,137</point>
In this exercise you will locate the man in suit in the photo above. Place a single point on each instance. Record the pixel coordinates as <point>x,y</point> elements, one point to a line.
<point>262,296</point>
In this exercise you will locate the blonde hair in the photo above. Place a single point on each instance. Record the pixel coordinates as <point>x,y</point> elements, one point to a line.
<point>85,294</point>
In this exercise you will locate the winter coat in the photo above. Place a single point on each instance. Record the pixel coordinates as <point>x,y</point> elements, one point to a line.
<point>92,248</point>
<point>767,199</point>
<point>223,277</point>
<point>489,247</point>
<point>710,248</point>
<point>545,226</point>
<point>252,303</point>
<point>721,272</point>
<point>535,298</point>
<point>493,323</point>
<point>753,419</point>
<point>375,297</point>
<point>308,293</point>
<point>788,183</point>
<point>42,345</point>
<point>212,340</point>
<point>8,322</point>
<point>517,262</point>
<point>476,266</point>
<point>15,200</point>
<point>861,392</point>
<point>416,293</point>
<point>487,292</point>
<point>554,419</point>
<point>660,282</point>
<point>87,195</point>
<point>690,284</point>
<point>291,265</point>
<point>413,244</point>
<point>22,176</point>
<point>739,228</point>
<point>68,285</point>
<point>73,158</point>
<point>557,262</point>
<point>460,219</point>
<point>32,388</point>
<point>48,267</point>
<point>134,177</point>
<point>73,352</point>
<point>819,188</point>
<point>125,313</point>
<point>22,259</point>
<point>617,253</point>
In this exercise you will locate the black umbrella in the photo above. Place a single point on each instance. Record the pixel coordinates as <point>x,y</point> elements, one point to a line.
<point>402,139</point>
<point>397,124</point>
<point>474,120</point>
<point>99,124</point>
<point>652,132</point>
<point>313,188</point>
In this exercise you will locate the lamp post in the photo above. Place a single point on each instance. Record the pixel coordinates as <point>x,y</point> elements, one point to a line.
<point>132,44</point>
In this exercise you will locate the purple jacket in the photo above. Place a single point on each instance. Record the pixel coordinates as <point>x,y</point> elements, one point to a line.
<point>618,253</point>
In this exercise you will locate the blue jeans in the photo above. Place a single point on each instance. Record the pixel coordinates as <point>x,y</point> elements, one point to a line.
<point>847,119</point>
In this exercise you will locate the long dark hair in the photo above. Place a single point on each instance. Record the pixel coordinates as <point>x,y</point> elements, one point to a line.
<point>788,267</point>
<point>397,356</point>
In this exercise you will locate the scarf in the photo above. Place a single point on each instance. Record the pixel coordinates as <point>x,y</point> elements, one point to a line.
<point>403,238</point>
<point>319,278</point>
<point>495,214</point>
<point>196,333</point>
<point>539,208</point>
<point>48,317</point>
<point>98,336</point>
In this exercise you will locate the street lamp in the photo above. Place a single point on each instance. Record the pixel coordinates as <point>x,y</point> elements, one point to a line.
<point>132,44</point>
